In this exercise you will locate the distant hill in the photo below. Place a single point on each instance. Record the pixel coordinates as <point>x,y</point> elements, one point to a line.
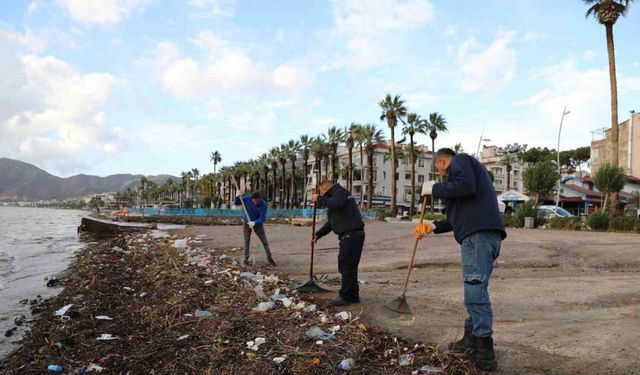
<point>21,181</point>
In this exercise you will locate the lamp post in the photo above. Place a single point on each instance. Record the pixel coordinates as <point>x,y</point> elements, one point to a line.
<point>564,112</point>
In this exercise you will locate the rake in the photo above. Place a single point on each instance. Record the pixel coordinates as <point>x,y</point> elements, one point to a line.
<point>310,285</point>
<point>400,304</point>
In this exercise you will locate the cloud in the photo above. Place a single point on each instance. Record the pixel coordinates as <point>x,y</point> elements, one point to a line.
<point>489,68</point>
<point>38,40</point>
<point>103,12</point>
<point>213,8</point>
<point>291,77</point>
<point>52,114</point>
<point>370,31</point>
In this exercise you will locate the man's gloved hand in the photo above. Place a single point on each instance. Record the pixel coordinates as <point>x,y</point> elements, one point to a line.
<point>424,229</point>
<point>251,224</point>
<point>314,240</point>
<point>427,187</point>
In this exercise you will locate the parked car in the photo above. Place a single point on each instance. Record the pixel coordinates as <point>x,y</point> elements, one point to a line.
<point>548,211</point>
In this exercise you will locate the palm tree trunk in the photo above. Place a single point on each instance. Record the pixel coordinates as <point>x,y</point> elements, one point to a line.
<point>284,185</point>
<point>394,187</point>
<point>361,178</point>
<point>318,173</point>
<point>614,94</point>
<point>293,184</point>
<point>350,171</point>
<point>305,173</point>
<point>433,168</point>
<point>273,188</point>
<point>334,175</point>
<point>413,176</point>
<point>370,183</point>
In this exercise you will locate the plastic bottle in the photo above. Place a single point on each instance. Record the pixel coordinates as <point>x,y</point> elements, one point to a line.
<point>346,364</point>
<point>54,368</point>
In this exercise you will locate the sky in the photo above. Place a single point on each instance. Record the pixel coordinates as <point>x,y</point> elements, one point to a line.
<point>154,86</point>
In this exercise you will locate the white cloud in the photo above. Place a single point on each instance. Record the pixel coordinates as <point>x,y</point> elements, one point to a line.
<point>449,31</point>
<point>372,30</point>
<point>291,77</point>
<point>103,12</point>
<point>589,55</point>
<point>532,35</point>
<point>279,35</point>
<point>51,113</point>
<point>214,8</point>
<point>489,69</point>
<point>38,40</point>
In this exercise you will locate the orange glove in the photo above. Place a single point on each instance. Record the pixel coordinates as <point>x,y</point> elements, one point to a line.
<point>424,229</point>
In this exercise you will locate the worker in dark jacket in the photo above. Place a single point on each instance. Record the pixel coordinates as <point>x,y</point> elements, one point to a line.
<point>343,218</point>
<point>257,210</point>
<point>473,216</point>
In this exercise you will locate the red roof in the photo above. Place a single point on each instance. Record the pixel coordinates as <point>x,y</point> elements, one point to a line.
<point>633,179</point>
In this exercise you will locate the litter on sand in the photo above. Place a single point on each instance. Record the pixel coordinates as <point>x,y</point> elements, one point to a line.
<point>343,315</point>
<point>346,364</point>
<point>264,306</point>
<point>63,310</point>
<point>318,333</point>
<point>103,317</point>
<point>279,360</point>
<point>107,337</point>
<point>429,370</point>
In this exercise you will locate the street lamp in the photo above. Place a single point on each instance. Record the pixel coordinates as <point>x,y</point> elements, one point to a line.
<point>564,112</point>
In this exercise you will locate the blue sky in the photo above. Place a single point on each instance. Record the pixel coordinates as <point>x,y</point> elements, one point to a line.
<point>153,86</point>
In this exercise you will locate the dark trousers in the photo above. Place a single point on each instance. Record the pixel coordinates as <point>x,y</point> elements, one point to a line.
<point>348,261</point>
<point>259,231</point>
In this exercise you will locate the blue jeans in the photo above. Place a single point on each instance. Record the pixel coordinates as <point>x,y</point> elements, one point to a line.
<point>479,251</point>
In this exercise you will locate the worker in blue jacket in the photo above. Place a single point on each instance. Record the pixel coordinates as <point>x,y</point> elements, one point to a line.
<point>257,210</point>
<point>473,216</point>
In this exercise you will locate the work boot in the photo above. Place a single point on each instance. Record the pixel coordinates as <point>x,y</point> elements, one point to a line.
<point>271,261</point>
<point>463,344</point>
<point>482,354</point>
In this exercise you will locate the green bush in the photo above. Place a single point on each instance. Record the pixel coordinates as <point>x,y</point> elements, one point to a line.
<point>564,223</point>
<point>381,213</point>
<point>623,224</point>
<point>430,216</point>
<point>526,209</point>
<point>509,222</point>
<point>599,220</point>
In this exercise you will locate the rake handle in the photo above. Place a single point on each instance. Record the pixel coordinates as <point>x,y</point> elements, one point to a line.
<point>415,247</point>
<point>313,235</point>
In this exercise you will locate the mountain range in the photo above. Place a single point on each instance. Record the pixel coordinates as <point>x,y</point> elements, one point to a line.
<point>20,181</point>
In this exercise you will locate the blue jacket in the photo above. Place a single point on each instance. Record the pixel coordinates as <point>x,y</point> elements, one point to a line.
<point>258,213</point>
<point>470,200</point>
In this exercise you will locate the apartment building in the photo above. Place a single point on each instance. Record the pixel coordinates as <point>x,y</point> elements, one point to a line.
<point>628,146</point>
<point>493,158</point>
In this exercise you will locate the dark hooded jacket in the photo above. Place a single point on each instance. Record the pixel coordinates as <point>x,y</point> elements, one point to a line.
<point>343,215</point>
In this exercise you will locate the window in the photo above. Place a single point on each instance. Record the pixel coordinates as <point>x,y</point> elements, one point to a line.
<point>384,190</point>
<point>497,170</point>
<point>421,163</point>
<point>397,176</point>
<point>375,176</point>
<point>384,175</point>
<point>499,182</point>
<point>405,161</point>
<point>515,184</point>
<point>420,178</point>
<point>516,172</point>
<point>407,176</point>
<point>375,161</point>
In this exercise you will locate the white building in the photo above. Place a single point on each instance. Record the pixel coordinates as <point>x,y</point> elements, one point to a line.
<point>492,157</point>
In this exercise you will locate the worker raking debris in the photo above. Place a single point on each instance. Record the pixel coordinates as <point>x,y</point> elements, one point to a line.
<point>253,220</point>
<point>344,219</point>
<point>473,216</point>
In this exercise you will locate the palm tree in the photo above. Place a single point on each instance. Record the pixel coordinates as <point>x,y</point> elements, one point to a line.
<point>305,144</point>
<point>293,148</point>
<point>318,148</point>
<point>273,161</point>
<point>350,139</point>
<point>437,123</point>
<point>335,136</point>
<point>607,13</point>
<point>393,110</point>
<point>415,125</point>
<point>282,159</point>
<point>371,137</point>
<point>195,174</point>
<point>358,138</point>
<point>508,161</point>
<point>264,162</point>
<point>215,158</point>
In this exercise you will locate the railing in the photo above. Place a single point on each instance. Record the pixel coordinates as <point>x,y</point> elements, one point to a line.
<point>271,213</point>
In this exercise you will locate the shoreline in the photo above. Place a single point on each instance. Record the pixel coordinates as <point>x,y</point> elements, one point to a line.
<point>154,291</point>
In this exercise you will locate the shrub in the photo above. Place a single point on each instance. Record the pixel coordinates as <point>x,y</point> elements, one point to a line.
<point>430,216</point>
<point>623,224</point>
<point>564,223</point>
<point>508,220</point>
<point>599,220</point>
<point>526,209</point>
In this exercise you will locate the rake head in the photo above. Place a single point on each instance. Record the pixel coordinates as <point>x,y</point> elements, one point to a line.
<point>399,305</point>
<point>311,286</point>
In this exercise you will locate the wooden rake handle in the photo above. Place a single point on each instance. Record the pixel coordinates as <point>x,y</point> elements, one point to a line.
<point>241,200</point>
<point>415,247</point>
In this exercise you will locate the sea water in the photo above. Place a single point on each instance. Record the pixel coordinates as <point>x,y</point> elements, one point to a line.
<point>35,244</point>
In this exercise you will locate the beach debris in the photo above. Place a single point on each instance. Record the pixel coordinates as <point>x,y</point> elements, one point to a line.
<point>264,306</point>
<point>103,317</point>
<point>429,370</point>
<point>222,257</point>
<point>255,344</point>
<point>319,342</point>
<point>315,362</point>
<point>310,308</point>
<point>63,310</point>
<point>362,327</point>
<point>107,337</point>
<point>347,364</point>
<point>10,332</point>
<point>182,337</point>
<point>406,360</point>
<point>24,301</point>
<point>4,317</point>
<point>53,282</point>
<point>181,244</point>
<point>142,294</point>
<point>279,360</point>
<point>20,320</point>
<point>249,276</point>
<point>334,329</point>
<point>156,234</point>
<point>343,315</point>
<point>323,319</point>
<point>92,367</point>
<point>54,368</point>
<point>209,282</point>
<point>67,343</point>
<point>318,333</point>
<point>203,314</point>
<point>128,289</point>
